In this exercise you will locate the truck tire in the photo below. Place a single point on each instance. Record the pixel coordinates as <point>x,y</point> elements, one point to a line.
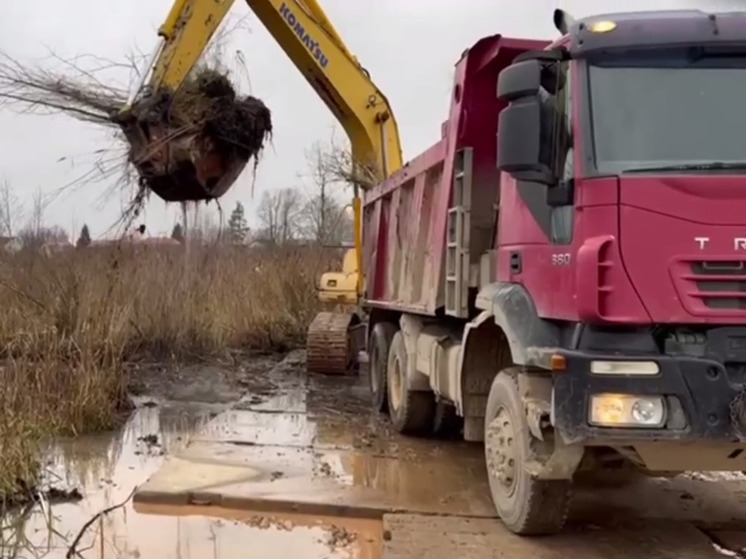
<point>411,412</point>
<point>526,505</point>
<point>378,351</point>
<point>446,422</point>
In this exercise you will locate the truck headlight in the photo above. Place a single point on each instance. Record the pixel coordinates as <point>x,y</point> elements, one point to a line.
<point>627,410</point>
<point>641,368</point>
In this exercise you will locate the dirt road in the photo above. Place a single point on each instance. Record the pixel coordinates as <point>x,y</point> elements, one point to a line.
<point>300,467</point>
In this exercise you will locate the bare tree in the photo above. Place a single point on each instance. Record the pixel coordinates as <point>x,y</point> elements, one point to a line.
<point>11,209</point>
<point>278,215</point>
<point>38,208</point>
<point>334,162</point>
<point>290,207</point>
<point>326,220</point>
<point>316,212</point>
<point>206,223</point>
<point>35,233</point>
<point>324,217</point>
<point>35,238</point>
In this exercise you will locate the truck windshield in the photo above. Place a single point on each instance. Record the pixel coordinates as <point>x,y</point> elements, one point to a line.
<point>683,110</point>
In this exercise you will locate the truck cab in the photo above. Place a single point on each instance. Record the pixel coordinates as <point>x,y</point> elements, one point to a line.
<point>621,251</point>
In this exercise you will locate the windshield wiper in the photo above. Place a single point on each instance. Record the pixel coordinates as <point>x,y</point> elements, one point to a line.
<point>712,166</point>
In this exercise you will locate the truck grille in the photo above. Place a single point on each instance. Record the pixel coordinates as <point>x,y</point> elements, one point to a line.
<point>719,285</point>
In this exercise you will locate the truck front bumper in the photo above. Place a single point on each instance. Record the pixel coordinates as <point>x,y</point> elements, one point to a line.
<point>702,399</point>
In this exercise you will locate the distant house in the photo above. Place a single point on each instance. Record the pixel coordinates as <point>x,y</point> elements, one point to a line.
<point>56,247</point>
<point>158,242</point>
<point>103,243</point>
<point>135,242</point>
<point>10,245</point>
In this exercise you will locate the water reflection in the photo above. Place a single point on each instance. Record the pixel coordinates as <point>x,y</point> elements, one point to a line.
<point>106,467</point>
<point>243,534</point>
<point>300,427</point>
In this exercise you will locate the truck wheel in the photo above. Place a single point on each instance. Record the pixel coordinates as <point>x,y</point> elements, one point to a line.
<point>526,505</point>
<point>378,350</point>
<point>412,413</point>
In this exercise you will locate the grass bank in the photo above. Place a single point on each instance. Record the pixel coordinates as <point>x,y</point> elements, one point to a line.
<point>68,323</point>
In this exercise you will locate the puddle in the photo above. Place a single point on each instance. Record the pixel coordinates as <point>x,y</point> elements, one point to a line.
<point>313,445</point>
<point>107,467</point>
<point>242,534</point>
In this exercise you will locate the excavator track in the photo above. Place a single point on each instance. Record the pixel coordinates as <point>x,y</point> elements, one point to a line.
<point>329,346</point>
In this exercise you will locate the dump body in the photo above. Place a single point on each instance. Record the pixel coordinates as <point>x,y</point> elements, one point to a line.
<point>406,217</point>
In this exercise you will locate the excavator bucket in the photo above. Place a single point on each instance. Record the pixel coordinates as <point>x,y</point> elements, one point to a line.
<point>193,144</point>
<point>180,167</point>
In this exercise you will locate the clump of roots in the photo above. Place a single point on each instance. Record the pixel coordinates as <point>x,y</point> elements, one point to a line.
<point>238,125</point>
<point>187,145</point>
<point>193,144</point>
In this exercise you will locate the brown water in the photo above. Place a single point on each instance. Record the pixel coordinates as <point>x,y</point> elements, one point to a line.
<point>107,468</point>
<point>309,433</point>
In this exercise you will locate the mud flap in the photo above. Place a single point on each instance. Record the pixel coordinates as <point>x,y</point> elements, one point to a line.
<point>565,458</point>
<point>562,463</point>
<point>536,412</point>
<point>738,414</point>
<point>411,328</point>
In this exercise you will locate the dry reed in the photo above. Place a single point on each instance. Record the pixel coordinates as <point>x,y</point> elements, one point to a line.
<point>71,321</point>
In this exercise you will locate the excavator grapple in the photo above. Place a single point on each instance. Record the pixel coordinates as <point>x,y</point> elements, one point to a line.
<point>185,167</point>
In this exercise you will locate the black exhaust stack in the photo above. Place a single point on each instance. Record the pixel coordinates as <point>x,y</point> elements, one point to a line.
<point>563,21</point>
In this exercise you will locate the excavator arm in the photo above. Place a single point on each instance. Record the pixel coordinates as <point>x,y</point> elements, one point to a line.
<point>303,31</point>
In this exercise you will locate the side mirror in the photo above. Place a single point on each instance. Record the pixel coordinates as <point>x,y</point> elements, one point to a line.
<point>523,150</point>
<point>525,134</point>
<point>518,80</point>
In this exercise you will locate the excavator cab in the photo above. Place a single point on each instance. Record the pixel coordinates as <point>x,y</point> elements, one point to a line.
<point>341,287</point>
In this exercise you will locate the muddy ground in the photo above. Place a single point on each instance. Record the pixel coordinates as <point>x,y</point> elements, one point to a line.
<point>252,458</point>
<point>218,381</point>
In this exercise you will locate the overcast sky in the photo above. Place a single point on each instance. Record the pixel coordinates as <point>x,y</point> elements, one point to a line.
<point>409,47</point>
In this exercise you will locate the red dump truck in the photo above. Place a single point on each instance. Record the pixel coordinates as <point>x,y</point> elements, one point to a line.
<point>563,274</point>
<point>565,269</point>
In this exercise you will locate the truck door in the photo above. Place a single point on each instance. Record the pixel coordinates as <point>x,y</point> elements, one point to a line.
<point>562,207</point>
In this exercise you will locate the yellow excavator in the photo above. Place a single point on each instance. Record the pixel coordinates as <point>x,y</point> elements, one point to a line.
<point>304,32</point>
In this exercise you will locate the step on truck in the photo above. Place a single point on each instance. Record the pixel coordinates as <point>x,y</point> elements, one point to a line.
<point>563,274</point>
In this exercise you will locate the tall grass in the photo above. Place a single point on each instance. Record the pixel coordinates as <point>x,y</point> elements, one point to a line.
<point>69,322</point>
